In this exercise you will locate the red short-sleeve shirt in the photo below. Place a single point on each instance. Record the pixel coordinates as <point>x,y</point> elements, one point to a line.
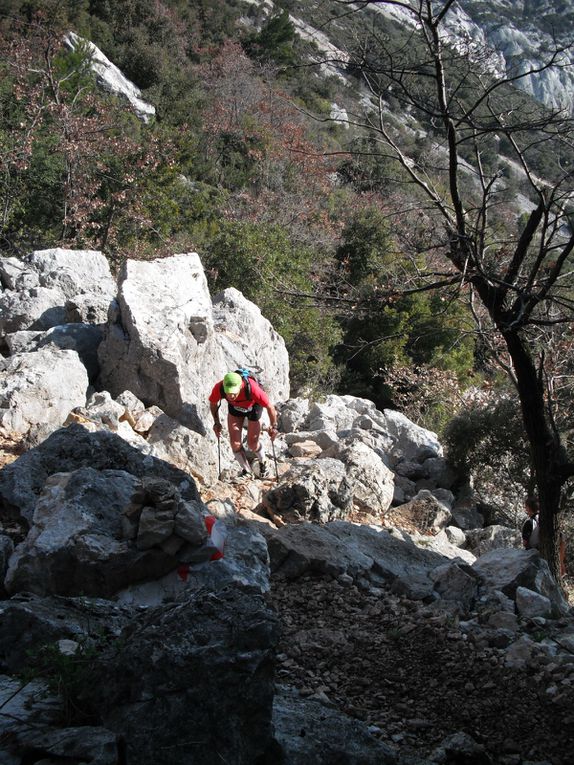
<point>258,396</point>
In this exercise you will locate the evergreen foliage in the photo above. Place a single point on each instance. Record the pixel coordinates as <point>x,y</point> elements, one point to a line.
<point>391,330</point>
<point>275,40</point>
<point>488,442</point>
<point>227,169</point>
<point>264,264</point>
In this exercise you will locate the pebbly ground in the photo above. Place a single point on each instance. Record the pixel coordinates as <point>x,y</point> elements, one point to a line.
<point>407,670</point>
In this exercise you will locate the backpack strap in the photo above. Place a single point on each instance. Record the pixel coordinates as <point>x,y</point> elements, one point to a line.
<point>246,374</point>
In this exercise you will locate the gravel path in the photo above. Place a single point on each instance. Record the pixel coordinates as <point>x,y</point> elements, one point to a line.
<point>407,670</point>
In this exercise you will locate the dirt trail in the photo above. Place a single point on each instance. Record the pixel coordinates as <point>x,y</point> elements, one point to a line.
<point>406,669</point>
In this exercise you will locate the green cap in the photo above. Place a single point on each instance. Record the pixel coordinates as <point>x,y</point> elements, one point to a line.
<point>232,382</point>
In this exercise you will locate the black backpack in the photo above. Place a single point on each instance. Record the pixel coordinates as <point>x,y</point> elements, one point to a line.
<point>247,375</point>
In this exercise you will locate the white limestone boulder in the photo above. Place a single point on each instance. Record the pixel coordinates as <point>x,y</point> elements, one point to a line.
<point>15,275</point>
<point>77,542</point>
<point>39,389</point>
<point>80,337</point>
<point>88,309</point>
<point>110,78</point>
<point>336,413</point>
<point>530,604</point>
<point>38,288</point>
<point>366,553</point>
<point>410,441</point>
<point>74,447</point>
<point>454,535</point>
<point>456,582</point>
<point>247,339</point>
<point>38,308</point>
<point>441,543</point>
<point>73,272</point>
<point>506,570</point>
<point>160,343</point>
<point>292,414</point>
<point>371,480</point>
<point>390,432</point>
<point>168,345</point>
<point>424,512</point>
<point>316,490</point>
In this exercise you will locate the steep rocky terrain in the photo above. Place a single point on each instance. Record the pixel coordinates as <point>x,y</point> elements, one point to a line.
<point>414,676</point>
<point>415,641</point>
<point>415,673</point>
<point>518,36</point>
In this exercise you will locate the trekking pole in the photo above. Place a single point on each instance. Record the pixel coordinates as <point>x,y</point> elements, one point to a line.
<point>218,436</point>
<point>274,459</point>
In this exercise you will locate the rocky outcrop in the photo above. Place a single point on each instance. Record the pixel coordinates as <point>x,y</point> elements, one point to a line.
<point>163,345</point>
<point>165,342</point>
<point>198,673</point>
<point>160,336</point>
<point>507,570</point>
<point>110,78</point>
<point>68,449</point>
<point>38,390</point>
<point>173,630</point>
<point>525,41</point>
<point>194,678</point>
<point>481,541</point>
<point>97,532</point>
<point>514,40</point>
<point>371,480</point>
<point>52,355</point>
<point>83,338</point>
<point>39,288</point>
<point>316,491</point>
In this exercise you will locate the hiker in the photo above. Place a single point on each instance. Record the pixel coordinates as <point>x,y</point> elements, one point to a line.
<point>530,532</point>
<point>245,399</point>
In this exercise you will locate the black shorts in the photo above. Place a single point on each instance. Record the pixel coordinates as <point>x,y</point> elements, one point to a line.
<point>253,414</point>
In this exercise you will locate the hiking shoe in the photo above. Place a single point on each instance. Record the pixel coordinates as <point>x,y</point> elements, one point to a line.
<point>241,477</point>
<point>263,470</point>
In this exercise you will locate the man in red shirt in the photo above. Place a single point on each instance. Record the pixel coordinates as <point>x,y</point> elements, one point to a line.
<point>245,399</point>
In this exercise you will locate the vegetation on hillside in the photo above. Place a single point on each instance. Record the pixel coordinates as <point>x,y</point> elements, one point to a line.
<point>516,278</point>
<point>231,167</point>
<point>310,217</point>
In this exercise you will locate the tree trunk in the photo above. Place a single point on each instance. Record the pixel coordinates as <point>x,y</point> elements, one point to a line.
<point>545,447</point>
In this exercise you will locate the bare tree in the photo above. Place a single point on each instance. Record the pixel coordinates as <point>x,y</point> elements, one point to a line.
<point>516,272</point>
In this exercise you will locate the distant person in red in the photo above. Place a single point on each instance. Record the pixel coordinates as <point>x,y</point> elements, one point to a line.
<point>245,399</point>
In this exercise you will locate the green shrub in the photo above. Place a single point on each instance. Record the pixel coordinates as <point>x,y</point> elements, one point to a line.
<point>262,262</point>
<point>487,442</point>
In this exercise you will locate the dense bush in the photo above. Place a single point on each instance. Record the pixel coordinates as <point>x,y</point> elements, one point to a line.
<point>486,440</point>
<point>387,328</point>
<point>262,262</point>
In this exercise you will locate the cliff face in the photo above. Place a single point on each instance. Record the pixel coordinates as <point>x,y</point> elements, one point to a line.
<point>523,36</point>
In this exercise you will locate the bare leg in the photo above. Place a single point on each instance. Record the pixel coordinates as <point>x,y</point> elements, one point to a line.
<point>256,445</point>
<point>235,428</point>
<point>253,435</point>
